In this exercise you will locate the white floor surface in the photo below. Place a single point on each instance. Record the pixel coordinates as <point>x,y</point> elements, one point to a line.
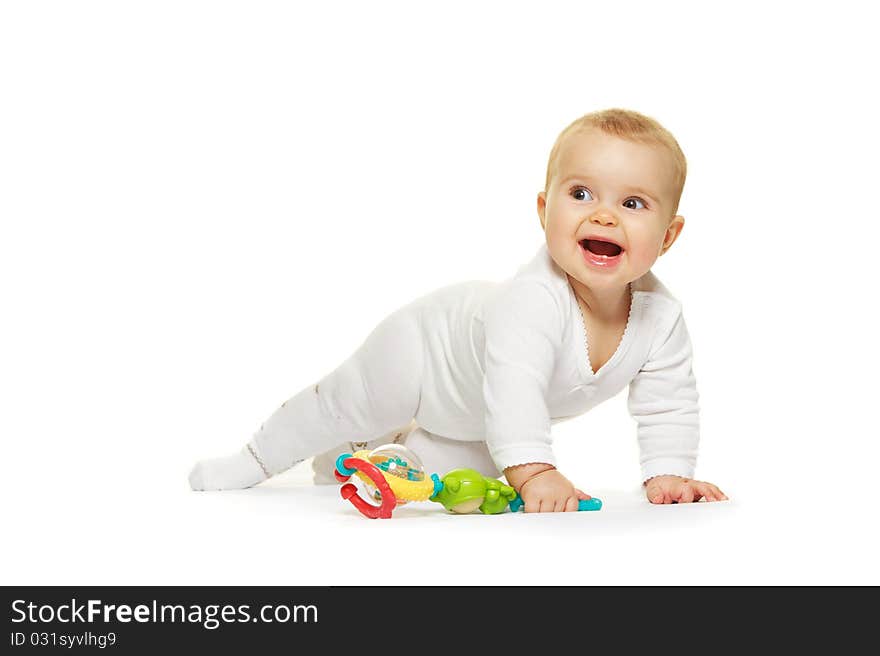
<point>289,532</point>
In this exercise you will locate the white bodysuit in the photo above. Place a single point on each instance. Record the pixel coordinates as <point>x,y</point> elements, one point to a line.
<point>499,363</point>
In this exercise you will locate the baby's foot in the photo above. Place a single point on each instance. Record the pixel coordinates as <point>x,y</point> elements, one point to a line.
<point>235,472</point>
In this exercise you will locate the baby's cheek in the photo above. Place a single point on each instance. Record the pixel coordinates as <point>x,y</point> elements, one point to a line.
<point>642,258</point>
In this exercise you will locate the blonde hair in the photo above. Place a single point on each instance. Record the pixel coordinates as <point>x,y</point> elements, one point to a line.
<point>630,125</point>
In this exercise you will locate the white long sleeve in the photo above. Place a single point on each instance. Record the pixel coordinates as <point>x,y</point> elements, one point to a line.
<point>522,335</point>
<point>663,399</point>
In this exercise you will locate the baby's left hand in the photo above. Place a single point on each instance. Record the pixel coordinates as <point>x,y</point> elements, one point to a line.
<point>675,489</point>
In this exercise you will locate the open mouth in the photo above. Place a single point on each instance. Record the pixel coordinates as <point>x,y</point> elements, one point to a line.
<point>601,254</point>
<point>601,248</point>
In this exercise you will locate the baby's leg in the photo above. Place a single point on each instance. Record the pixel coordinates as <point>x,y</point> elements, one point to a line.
<point>374,391</point>
<point>440,455</point>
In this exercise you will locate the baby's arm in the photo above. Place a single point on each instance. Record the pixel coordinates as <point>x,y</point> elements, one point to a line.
<point>663,399</point>
<point>522,332</point>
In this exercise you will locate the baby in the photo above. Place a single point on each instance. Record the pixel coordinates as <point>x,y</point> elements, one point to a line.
<point>474,374</point>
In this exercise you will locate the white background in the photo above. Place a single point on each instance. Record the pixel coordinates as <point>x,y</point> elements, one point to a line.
<point>205,206</point>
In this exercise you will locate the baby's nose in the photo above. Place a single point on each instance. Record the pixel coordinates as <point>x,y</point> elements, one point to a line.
<point>604,218</point>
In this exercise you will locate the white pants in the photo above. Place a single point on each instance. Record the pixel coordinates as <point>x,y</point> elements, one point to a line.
<point>371,397</point>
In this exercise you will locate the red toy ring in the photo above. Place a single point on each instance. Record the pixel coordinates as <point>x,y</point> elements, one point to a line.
<point>349,491</point>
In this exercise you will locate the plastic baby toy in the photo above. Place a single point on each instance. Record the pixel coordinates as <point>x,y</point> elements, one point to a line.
<point>393,475</point>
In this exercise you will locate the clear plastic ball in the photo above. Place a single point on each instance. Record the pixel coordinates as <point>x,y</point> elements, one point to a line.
<point>395,460</point>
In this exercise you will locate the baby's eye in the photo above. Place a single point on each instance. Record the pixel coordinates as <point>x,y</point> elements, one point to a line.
<point>578,193</point>
<point>635,200</point>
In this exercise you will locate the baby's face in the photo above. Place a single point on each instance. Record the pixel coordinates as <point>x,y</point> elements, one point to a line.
<point>607,188</point>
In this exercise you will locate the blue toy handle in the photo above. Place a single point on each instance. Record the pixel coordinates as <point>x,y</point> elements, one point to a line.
<point>583,504</point>
<point>593,503</point>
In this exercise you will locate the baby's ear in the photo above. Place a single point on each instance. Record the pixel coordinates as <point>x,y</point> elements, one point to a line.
<point>542,205</point>
<point>673,230</point>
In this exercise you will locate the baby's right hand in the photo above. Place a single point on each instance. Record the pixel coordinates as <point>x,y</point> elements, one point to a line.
<point>550,491</point>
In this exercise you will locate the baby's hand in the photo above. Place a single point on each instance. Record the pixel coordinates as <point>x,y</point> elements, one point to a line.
<point>545,490</point>
<point>550,491</point>
<point>675,489</point>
